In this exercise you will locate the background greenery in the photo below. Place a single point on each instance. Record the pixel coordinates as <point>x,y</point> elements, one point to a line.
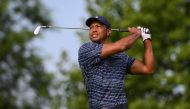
<point>22,71</point>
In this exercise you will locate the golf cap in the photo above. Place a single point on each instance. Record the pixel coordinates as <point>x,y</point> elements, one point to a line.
<point>99,19</point>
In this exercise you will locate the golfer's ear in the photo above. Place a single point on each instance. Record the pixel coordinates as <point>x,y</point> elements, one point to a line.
<point>109,32</point>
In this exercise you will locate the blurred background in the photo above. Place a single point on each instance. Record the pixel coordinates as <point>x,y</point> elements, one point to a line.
<point>42,72</point>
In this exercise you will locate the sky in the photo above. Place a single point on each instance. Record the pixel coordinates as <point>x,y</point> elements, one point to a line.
<point>66,13</point>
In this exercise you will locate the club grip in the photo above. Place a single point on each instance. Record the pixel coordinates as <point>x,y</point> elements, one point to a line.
<point>120,30</point>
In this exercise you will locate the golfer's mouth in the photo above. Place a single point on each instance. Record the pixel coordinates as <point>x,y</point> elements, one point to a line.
<point>94,35</point>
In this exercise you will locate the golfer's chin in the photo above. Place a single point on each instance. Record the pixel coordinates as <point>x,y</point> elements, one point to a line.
<point>94,39</point>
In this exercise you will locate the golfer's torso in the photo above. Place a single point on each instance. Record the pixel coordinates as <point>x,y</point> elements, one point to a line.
<point>105,82</point>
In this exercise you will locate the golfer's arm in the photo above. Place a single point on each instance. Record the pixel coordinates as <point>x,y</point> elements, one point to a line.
<point>118,46</point>
<point>146,66</point>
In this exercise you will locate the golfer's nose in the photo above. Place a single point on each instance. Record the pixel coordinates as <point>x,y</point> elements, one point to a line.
<point>93,29</point>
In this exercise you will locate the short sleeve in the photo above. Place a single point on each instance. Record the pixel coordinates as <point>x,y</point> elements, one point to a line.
<point>89,54</point>
<point>129,62</point>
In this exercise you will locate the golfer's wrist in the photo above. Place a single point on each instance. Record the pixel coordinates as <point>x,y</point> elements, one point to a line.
<point>147,37</point>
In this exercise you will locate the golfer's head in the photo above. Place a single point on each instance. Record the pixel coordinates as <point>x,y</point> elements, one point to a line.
<point>100,28</point>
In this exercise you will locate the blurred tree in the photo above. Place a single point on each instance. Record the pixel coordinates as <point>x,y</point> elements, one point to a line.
<point>75,93</point>
<point>24,83</point>
<point>169,23</point>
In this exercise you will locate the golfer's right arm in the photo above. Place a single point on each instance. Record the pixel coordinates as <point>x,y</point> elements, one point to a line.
<point>122,44</point>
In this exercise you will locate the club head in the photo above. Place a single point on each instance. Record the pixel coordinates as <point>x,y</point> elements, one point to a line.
<point>37,30</point>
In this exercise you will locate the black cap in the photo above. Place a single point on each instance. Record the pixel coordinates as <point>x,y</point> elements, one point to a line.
<point>100,19</point>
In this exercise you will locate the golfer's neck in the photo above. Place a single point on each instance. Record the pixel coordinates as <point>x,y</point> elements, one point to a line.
<point>105,41</point>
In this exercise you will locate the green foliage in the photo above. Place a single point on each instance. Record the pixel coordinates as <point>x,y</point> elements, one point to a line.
<point>169,23</point>
<point>76,96</point>
<point>24,82</point>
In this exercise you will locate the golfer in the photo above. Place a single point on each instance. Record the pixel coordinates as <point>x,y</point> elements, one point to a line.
<point>104,65</point>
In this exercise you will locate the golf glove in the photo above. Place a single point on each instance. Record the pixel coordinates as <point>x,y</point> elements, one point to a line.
<point>145,33</point>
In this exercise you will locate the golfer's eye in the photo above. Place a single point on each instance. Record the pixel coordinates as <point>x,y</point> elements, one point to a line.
<point>95,26</point>
<point>98,26</point>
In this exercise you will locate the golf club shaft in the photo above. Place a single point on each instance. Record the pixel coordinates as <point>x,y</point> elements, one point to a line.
<point>115,29</point>
<point>37,30</point>
<point>120,30</point>
<point>57,27</point>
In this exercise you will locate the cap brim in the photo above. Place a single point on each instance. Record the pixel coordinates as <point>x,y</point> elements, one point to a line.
<point>90,20</point>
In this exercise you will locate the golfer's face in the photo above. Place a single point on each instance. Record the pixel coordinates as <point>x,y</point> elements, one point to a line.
<point>98,32</point>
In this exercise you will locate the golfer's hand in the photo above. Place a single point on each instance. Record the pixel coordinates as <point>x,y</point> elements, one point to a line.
<point>134,30</point>
<point>145,33</point>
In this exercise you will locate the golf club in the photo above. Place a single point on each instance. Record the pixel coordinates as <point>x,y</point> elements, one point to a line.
<point>38,28</point>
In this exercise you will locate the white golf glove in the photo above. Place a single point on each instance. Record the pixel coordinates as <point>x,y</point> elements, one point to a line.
<point>145,33</point>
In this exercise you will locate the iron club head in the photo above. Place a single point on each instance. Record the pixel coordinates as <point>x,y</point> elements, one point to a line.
<point>37,30</point>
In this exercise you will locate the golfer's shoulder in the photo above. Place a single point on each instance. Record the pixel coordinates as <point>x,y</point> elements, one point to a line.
<point>89,45</point>
<point>84,47</point>
<point>86,44</point>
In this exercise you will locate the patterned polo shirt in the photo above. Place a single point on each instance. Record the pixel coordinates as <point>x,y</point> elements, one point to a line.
<point>104,77</point>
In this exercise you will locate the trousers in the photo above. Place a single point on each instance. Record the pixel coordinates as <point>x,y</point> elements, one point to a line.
<point>120,106</point>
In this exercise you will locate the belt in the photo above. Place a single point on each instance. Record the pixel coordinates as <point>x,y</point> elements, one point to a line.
<point>120,106</point>
<point>104,108</point>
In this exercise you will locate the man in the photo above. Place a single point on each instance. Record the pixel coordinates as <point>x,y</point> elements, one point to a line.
<point>104,64</point>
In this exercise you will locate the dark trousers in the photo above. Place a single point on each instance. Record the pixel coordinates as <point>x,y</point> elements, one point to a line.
<point>121,106</point>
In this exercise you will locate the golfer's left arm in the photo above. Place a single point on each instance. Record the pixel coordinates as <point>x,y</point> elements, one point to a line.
<point>147,65</point>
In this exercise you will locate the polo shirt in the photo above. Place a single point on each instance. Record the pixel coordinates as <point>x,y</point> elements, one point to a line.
<point>103,77</point>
